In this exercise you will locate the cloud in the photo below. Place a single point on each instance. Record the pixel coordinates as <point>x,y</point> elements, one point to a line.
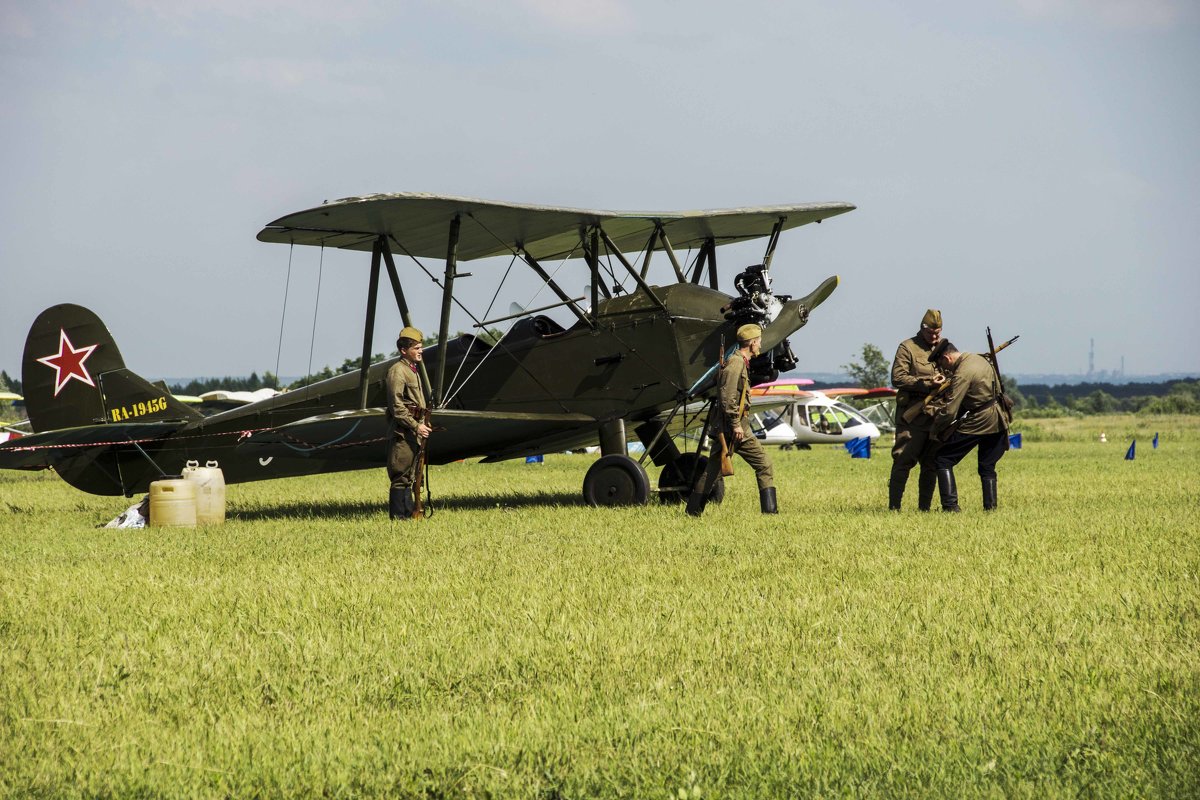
<point>1123,14</point>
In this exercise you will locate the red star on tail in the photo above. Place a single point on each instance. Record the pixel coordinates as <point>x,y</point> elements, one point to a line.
<point>67,363</point>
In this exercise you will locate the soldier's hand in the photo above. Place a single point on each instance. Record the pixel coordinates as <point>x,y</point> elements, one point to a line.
<point>423,430</point>
<point>938,379</point>
<point>738,434</point>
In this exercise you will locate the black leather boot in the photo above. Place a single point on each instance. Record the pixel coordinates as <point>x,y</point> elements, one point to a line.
<point>989,494</point>
<point>396,504</point>
<point>948,490</point>
<point>926,483</point>
<point>697,500</point>
<point>896,485</point>
<point>766,500</point>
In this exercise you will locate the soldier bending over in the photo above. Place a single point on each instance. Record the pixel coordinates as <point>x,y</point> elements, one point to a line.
<point>979,419</point>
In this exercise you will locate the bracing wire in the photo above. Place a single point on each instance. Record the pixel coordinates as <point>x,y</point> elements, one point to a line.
<point>283,315</point>
<point>316,305</point>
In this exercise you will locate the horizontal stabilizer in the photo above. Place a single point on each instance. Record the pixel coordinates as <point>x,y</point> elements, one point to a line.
<point>50,448</point>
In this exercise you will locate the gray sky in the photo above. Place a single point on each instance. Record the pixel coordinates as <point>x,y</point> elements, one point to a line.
<point>1025,164</point>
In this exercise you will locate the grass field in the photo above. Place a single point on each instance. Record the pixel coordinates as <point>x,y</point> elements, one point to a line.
<point>521,644</point>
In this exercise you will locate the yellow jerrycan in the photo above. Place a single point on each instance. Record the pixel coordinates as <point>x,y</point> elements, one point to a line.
<point>172,503</point>
<point>210,491</point>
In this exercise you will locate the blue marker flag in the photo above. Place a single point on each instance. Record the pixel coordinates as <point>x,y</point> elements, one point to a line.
<point>1129,453</point>
<point>1156,440</point>
<point>860,447</point>
<point>1014,441</point>
<point>534,459</point>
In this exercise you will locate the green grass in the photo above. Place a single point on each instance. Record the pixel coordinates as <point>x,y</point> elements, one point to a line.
<point>521,644</point>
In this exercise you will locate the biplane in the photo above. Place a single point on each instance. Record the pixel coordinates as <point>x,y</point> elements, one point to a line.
<point>633,357</point>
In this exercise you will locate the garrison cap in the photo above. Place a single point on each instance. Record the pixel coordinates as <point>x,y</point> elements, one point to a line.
<point>940,348</point>
<point>932,319</point>
<point>412,333</point>
<point>748,332</point>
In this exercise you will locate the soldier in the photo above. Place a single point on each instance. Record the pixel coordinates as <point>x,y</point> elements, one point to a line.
<point>915,377</point>
<point>980,419</point>
<point>729,416</point>
<point>405,409</point>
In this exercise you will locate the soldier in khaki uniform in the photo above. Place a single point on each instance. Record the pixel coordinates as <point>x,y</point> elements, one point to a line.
<point>980,418</point>
<point>405,405</point>
<point>730,415</point>
<point>915,376</point>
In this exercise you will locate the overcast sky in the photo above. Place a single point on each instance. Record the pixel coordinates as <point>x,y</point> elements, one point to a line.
<point>1031,165</point>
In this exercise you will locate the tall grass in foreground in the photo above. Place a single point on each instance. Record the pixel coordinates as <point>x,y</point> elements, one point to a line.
<point>521,644</point>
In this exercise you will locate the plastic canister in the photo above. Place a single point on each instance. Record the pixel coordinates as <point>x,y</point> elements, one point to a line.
<point>172,503</point>
<point>210,491</point>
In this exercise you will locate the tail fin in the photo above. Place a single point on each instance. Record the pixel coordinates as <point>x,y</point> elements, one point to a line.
<point>72,374</point>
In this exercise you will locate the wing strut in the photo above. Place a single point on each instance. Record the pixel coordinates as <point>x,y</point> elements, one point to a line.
<point>447,296</point>
<point>369,329</point>
<point>612,248</point>
<point>662,234</point>
<point>772,242</point>
<point>554,287</point>
<point>707,257</point>
<point>402,304</point>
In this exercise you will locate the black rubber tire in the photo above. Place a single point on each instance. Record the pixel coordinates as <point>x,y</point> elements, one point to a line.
<point>616,480</point>
<point>683,471</point>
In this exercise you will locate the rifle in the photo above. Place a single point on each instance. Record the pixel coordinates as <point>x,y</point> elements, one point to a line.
<point>913,411</point>
<point>419,509</point>
<point>726,464</point>
<point>1004,400</point>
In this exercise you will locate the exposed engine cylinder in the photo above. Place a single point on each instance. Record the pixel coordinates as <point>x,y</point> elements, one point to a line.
<point>756,304</point>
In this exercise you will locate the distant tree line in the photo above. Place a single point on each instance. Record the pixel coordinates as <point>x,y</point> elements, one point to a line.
<point>1040,400</point>
<point>1178,397</point>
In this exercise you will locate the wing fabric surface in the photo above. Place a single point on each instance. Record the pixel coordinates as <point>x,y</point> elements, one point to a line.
<point>362,435</point>
<point>420,223</point>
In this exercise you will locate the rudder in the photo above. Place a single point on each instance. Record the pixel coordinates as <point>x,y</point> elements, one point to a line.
<point>72,374</point>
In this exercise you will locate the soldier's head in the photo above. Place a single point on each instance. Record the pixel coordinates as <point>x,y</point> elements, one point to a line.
<point>750,338</point>
<point>931,326</point>
<point>944,354</point>
<point>410,344</point>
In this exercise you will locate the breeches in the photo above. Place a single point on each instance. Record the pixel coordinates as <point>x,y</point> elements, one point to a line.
<point>402,460</point>
<point>751,451</point>
<point>913,446</point>
<point>991,448</point>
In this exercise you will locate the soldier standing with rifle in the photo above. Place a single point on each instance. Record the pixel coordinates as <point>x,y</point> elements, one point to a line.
<point>409,424</point>
<point>916,378</point>
<point>977,414</point>
<point>729,426</point>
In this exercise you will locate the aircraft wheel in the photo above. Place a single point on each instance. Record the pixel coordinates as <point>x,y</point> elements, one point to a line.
<point>684,471</point>
<point>616,480</point>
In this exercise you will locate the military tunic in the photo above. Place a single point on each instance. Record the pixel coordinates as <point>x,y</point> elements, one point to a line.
<point>913,378</point>
<point>404,392</point>
<point>732,407</point>
<point>983,422</point>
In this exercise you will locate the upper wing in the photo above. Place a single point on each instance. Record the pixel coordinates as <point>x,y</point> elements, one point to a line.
<point>420,224</point>
<point>362,435</point>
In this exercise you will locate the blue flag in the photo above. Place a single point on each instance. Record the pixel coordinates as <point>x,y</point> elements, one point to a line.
<point>534,459</point>
<point>1129,454</point>
<point>860,447</point>
<point>1014,441</point>
<point>1156,440</point>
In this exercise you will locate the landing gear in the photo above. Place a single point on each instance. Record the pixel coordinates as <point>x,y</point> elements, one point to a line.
<point>676,480</point>
<point>616,480</point>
